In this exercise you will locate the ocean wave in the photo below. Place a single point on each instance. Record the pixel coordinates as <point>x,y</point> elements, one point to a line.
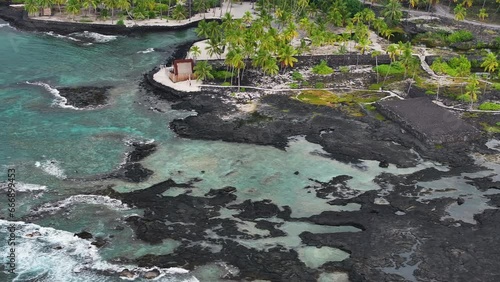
<point>53,34</point>
<point>51,167</point>
<point>82,199</point>
<point>149,50</point>
<point>24,187</point>
<point>94,36</point>
<point>5,25</point>
<point>58,255</point>
<point>59,101</point>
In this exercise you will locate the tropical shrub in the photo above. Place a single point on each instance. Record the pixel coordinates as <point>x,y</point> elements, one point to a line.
<point>489,106</point>
<point>294,85</point>
<point>319,85</point>
<point>394,68</point>
<point>222,74</point>
<point>460,36</point>
<point>120,22</point>
<point>322,68</point>
<point>297,76</point>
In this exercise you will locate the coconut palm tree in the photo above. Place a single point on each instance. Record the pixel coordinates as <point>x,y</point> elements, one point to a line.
<point>88,5</point>
<point>247,18</point>
<point>467,3</point>
<point>490,63</point>
<point>482,14</point>
<point>375,55</point>
<point>57,2</point>
<point>203,70</point>
<point>213,47</point>
<point>392,12</point>
<point>31,6</point>
<point>73,7</point>
<point>179,12</point>
<point>406,55</point>
<point>270,67</point>
<point>44,4</point>
<point>195,51</point>
<point>286,54</point>
<point>460,12</point>
<point>472,88</point>
<point>363,44</point>
<point>202,29</point>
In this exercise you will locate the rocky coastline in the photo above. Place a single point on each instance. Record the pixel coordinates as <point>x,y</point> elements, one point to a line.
<point>401,238</point>
<point>18,18</point>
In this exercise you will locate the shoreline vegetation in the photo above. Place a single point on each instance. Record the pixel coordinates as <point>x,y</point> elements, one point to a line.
<point>267,39</point>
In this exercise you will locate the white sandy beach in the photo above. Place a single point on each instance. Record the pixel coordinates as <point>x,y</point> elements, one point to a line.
<point>187,86</point>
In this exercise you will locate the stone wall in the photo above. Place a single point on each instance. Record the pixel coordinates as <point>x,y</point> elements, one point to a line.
<point>18,18</point>
<point>427,121</point>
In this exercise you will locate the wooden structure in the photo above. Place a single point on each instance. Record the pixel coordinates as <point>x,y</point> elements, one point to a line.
<point>182,70</point>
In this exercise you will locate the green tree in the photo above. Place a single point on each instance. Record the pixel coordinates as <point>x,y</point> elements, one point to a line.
<point>44,4</point>
<point>73,7</point>
<point>195,51</point>
<point>482,14</point>
<point>375,55</point>
<point>472,88</point>
<point>179,12</point>
<point>31,6</point>
<point>203,29</point>
<point>392,12</point>
<point>203,70</point>
<point>460,12</point>
<point>286,54</point>
<point>490,63</point>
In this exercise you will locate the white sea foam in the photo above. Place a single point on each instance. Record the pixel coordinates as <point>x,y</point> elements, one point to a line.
<point>51,167</point>
<point>149,50</point>
<point>84,199</point>
<point>59,101</point>
<point>53,34</point>
<point>27,187</point>
<point>58,255</point>
<point>94,36</point>
<point>5,25</point>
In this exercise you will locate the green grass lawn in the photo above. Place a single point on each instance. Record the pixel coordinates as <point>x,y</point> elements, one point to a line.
<point>348,103</point>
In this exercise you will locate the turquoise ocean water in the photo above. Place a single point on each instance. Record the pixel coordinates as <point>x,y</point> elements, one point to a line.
<point>54,148</point>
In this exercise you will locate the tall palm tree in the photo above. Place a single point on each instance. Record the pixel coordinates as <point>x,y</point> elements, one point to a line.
<point>44,4</point>
<point>31,6</point>
<point>460,12</point>
<point>195,51</point>
<point>482,14</point>
<point>472,88</point>
<point>179,12</point>
<point>286,54</point>
<point>392,12</point>
<point>213,47</point>
<point>490,63</point>
<point>375,55</point>
<point>73,7</point>
<point>203,70</point>
<point>203,29</point>
<point>270,67</point>
<point>467,3</point>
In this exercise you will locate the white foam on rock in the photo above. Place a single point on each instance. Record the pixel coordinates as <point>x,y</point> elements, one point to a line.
<point>82,199</point>
<point>149,50</point>
<point>53,34</point>
<point>59,101</point>
<point>94,36</point>
<point>52,167</point>
<point>58,255</point>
